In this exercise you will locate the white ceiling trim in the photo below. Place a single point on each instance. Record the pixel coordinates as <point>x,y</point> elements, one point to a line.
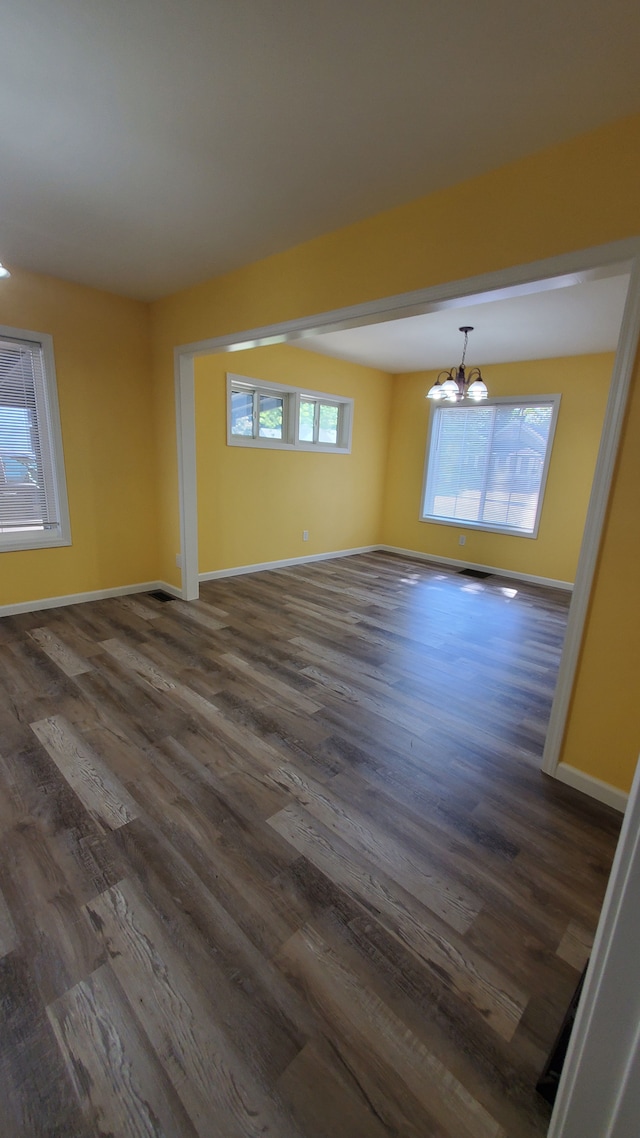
<point>597,263</point>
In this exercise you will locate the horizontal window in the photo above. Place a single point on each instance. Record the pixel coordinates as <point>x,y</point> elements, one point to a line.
<point>33,502</point>
<point>286,418</point>
<point>487,464</point>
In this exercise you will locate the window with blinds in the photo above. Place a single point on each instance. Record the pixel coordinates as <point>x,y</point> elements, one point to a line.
<point>33,509</point>
<point>487,464</point>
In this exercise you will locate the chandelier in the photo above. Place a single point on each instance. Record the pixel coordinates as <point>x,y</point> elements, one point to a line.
<point>459,385</point>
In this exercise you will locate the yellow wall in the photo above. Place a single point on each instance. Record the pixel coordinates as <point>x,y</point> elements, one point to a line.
<point>571,196</point>
<point>583,383</point>
<point>253,504</point>
<point>603,736</point>
<point>101,347</point>
<point>561,199</point>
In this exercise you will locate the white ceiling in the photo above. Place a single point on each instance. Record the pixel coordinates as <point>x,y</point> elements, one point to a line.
<point>559,321</point>
<point>149,144</point>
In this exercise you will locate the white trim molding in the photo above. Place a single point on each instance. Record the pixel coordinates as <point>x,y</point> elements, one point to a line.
<point>565,269</point>
<point>413,554</point>
<point>185,396</point>
<point>454,563</point>
<point>49,431</point>
<point>598,1090</point>
<point>81,598</point>
<point>592,786</point>
<point>596,514</point>
<point>263,566</point>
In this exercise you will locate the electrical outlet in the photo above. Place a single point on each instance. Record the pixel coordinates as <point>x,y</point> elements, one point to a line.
<point>179,560</point>
<point>462,540</point>
<point>305,535</point>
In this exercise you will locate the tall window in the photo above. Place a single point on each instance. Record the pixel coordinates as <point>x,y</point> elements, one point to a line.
<point>33,504</point>
<point>487,464</point>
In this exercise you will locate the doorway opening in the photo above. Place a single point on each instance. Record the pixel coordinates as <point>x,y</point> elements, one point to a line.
<point>616,261</point>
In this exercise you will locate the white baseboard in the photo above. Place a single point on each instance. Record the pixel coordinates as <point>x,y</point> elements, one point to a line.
<point>80,598</point>
<point>175,590</point>
<point>594,787</point>
<point>265,565</point>
<point>148,586</point>
<point>550,582</point>
<point>530,578</point>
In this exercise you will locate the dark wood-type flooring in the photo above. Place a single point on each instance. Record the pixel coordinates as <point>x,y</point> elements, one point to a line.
<point>282,862</point>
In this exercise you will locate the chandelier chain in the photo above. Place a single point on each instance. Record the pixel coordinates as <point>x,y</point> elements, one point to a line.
<point>464,350</point>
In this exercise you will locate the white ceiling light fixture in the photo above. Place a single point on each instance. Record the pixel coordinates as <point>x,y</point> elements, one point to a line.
<point>4,272</point>
<point>458,385</point>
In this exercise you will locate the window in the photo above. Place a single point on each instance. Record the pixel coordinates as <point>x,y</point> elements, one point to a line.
<point>33,503</point>
<point>487,464</point>
<point>286,418</point>
<point>256,414</point>
<point>318,421</point>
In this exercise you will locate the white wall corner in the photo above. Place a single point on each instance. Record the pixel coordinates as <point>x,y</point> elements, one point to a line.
<point>43,603</point>
<point>263,566</point>
<point>455,563</point>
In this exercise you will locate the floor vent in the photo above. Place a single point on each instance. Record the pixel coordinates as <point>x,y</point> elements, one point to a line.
<point>160,595</point>
<point>474,573</point>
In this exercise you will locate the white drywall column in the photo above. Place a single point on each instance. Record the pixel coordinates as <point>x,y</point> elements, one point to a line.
<point>187,481</point>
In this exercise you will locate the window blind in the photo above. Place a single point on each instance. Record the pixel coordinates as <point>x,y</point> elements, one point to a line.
<point>487,464</point>
<point>28,499</point>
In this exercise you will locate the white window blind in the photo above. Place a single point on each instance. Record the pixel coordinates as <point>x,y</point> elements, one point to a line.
<point>487,464</point>
<point>30,502</point>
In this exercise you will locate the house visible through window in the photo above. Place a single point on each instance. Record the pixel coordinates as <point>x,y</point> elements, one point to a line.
<point>487,464</point>
<point>33,506</point>
<point>286,418</point>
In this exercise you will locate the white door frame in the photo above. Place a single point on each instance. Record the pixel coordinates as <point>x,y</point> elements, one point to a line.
<point>599,1091</point>
<point>573,268</point>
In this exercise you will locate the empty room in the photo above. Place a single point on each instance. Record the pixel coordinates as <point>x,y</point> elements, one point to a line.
<point>319,419</point>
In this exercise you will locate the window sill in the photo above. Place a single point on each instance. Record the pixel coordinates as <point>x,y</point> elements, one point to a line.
<point>10,543</point>
<point>459,523</point>
<point>279,444</point>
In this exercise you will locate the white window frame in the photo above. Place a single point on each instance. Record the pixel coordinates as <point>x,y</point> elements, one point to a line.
<point>48,413</point>
<point>291,397</point>
<point>516,401</point>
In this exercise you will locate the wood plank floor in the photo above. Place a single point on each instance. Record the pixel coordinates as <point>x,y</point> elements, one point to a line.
<point>282,862</point>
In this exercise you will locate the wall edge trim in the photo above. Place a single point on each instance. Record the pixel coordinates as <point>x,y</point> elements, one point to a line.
<point>262,566</point>
<point>43,603</point>
<point>529,578</point>
<point>594,787</point>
